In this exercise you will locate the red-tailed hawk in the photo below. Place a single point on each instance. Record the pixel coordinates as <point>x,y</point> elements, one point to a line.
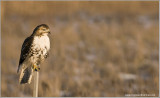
<point>34,50</point>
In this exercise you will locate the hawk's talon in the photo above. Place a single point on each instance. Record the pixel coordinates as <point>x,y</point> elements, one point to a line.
<point>36,68</point>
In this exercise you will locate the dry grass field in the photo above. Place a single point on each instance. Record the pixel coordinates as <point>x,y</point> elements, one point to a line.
<point>97,48</point>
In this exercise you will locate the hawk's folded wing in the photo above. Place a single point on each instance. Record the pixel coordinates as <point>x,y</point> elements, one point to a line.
<point>25,50</point>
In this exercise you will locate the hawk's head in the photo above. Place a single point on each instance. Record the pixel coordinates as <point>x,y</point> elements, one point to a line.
<point>41,30</point>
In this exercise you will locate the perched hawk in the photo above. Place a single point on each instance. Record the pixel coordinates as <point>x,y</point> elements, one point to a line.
<point>34,50</point>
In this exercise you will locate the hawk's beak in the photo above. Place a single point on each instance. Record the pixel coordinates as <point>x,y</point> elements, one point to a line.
<point>48,31</point>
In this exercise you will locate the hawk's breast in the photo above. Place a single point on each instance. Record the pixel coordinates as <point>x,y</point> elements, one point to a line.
<point>41,42</point>
<point>40,48</point>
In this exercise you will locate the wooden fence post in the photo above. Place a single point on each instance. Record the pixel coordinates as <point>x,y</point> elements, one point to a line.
<point>36,80</point>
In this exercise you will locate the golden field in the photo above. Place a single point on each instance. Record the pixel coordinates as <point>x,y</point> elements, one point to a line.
<point>105,49</point>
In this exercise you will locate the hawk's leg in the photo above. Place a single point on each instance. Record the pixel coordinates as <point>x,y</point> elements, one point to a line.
<point>36,67</point>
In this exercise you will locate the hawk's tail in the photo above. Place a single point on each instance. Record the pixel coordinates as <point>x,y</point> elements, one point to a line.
<point>26,75</point>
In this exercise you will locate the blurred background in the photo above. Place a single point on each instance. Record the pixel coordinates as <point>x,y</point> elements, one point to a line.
<point>103,49</point>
